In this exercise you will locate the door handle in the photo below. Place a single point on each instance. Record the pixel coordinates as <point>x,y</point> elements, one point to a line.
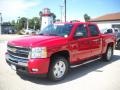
<point>96,40</point>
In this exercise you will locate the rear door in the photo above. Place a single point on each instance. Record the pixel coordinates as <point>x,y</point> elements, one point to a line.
<point>95,40</point>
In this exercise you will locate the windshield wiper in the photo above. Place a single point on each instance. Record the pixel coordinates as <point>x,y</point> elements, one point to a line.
<point>49,34</point>
<point>53,34</point>
<point>41,34</point>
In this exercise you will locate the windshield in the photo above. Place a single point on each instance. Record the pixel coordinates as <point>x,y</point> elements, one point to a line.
<point>57,30</point>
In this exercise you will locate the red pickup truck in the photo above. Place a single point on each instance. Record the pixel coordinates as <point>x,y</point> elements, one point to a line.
<point>59,47</point>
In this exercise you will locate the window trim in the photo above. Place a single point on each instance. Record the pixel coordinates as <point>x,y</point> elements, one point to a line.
<point>76,30</point>
<point>96,30</point>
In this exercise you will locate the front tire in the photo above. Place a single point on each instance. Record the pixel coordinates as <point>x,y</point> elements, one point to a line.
<point>58,68</point>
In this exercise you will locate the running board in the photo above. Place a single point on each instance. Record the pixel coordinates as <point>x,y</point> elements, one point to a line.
<point>73,66</point>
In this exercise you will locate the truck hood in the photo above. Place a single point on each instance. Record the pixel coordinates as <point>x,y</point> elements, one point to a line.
<point>37,41</point>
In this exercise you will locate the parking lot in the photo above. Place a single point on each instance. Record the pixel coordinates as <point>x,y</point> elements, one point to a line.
<point>97,75</point>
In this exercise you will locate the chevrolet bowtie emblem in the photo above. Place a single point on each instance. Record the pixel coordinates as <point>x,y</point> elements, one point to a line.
<point>12,50</point>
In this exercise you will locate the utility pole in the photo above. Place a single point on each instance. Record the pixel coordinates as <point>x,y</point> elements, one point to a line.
<point>65,9</point>
<point>34,24</point>
<point>0,23</point>
<point>18,23</point>
<point>27,24</point>
<point>61,8</point>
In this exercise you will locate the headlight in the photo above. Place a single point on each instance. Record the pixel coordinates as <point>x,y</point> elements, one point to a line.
<point>38,52</point>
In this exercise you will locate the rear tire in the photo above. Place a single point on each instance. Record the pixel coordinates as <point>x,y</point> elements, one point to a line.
<point>109,53</point>
<point>58,68</point>
<point>118,45</point>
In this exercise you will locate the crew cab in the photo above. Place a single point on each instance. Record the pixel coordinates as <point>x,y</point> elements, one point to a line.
<point>59,47</point>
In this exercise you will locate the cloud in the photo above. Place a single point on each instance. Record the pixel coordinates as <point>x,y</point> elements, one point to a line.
<point>16,8</point>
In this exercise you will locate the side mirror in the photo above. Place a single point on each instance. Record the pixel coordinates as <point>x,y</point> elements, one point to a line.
<point>78,35</point>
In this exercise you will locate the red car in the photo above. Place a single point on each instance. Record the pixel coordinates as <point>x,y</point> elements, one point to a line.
<point>59,47</point>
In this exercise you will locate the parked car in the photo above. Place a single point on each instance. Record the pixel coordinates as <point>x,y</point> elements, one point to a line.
<point>58,48</point>
<point>29,32</point>
<point>8,31</point>
<point>116,32</point>
<point>7,28</point>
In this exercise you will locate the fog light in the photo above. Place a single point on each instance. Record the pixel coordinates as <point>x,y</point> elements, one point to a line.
<point>35,70</point>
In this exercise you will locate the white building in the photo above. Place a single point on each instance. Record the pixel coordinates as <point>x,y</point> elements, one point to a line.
<point>108,21</point>
<point>47,18</point>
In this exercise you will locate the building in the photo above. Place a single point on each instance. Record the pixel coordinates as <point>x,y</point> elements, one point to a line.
<point>47,18</point>
<point>7,28</point>
<point>108,21</point>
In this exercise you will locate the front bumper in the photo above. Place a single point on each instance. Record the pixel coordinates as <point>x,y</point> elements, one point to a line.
<point>31,66</point>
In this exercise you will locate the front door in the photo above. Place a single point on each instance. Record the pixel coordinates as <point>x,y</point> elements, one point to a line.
<point>83,43</point>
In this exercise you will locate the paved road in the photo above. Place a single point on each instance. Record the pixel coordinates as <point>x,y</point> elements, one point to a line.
<point>97,75</point>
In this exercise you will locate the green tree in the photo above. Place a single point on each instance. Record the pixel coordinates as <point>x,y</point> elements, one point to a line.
<point>31,23</point>
<point>57,20</point>
<point>13,22</point>
<point>23,22</point>
<point>34,23</point>
<point>54,17</point>
<point>86,17</point>
<point>40,14</point>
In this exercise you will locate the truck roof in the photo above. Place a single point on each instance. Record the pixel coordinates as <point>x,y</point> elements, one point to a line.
<point>78,22</point>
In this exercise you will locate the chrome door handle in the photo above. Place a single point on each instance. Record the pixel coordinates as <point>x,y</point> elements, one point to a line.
<point>96,40</point>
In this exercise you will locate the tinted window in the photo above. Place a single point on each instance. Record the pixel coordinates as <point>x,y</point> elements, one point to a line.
<point>57,30</point>
<point>81,29</point>
<point>93,30</point>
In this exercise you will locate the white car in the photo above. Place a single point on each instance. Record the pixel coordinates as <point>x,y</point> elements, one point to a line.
<point>29,31</point>
<point>116,31</point>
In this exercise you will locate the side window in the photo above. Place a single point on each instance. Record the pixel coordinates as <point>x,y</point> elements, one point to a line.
<point>81,31</point>
<point>93,30</point>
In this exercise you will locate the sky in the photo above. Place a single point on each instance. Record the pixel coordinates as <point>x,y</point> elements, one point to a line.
<point>12,9</point>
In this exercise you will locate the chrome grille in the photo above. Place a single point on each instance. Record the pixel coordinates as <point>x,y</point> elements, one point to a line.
<point>18,53</point>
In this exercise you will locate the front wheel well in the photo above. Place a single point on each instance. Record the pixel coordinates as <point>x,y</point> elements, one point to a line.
<point>63,53</point>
